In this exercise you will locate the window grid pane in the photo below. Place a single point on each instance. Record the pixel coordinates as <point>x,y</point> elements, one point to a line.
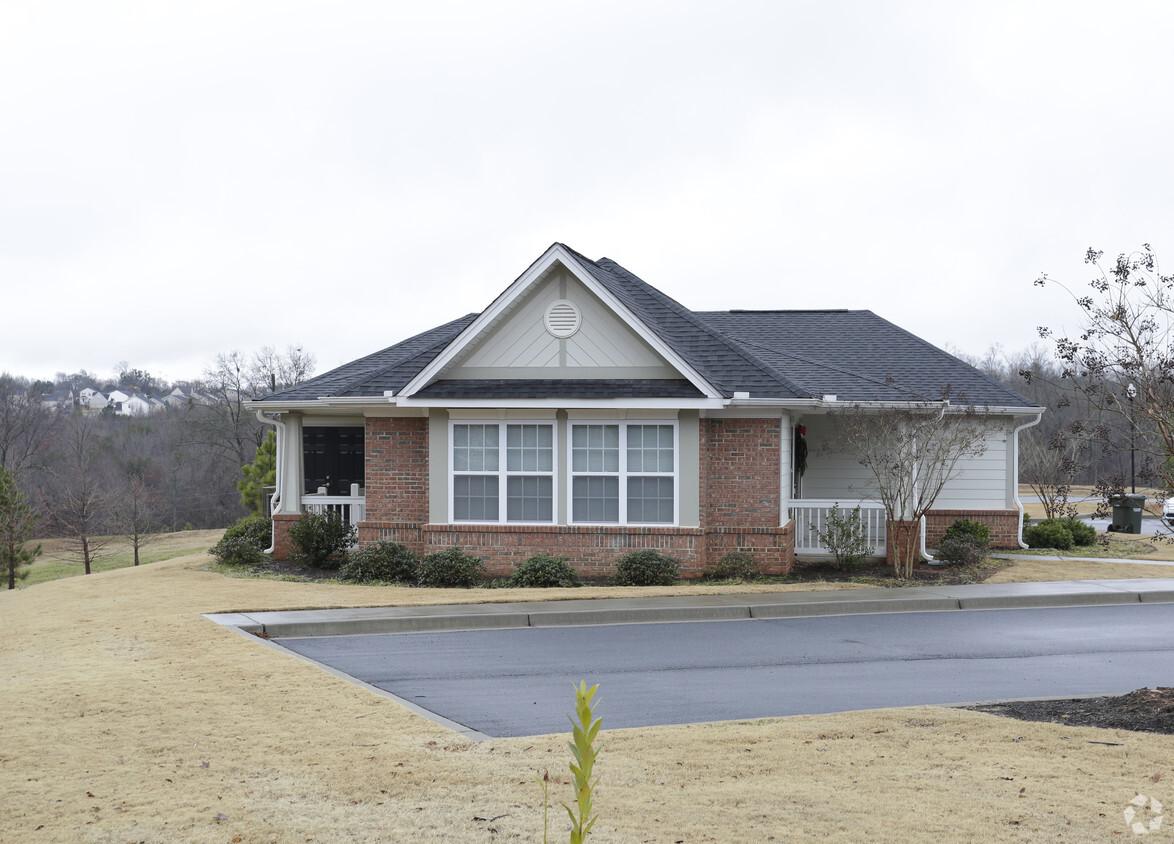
<point>650,448</point>
<point>475,498</point>
<point>530,498</point>
<point>529,448</point>
<point>595,448</point>
<point>650,500</point>
<point>595,499</point>
<point>475,448</point>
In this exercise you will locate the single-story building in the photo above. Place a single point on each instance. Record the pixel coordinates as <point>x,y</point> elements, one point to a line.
<point>587,414</point>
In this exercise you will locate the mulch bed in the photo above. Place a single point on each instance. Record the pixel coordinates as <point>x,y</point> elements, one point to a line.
<point>883,574</point>
<point>1143,710</point>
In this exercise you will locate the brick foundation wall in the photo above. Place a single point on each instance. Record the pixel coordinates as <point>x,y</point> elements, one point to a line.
<point>395,466</point>
<point>1004,525</point>
<point>592,550</point>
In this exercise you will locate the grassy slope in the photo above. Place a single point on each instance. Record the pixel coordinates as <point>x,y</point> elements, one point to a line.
<point>130,717</point>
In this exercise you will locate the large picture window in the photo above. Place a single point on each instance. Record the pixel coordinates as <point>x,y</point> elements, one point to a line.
<point>503,472</point>
<point>623,473</point>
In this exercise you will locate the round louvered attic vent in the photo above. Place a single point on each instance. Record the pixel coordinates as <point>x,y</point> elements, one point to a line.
<point>563,318</point>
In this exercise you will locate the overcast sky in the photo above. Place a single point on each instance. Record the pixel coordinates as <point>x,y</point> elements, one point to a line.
<point>182,179</point>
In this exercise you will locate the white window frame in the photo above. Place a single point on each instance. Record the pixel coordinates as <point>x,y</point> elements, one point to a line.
<point>623,473</point>
<point>502,473</point>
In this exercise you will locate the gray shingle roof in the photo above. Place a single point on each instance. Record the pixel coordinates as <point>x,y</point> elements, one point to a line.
<point>854,355</point>
<point>858,356</point>
<point>389,369</point>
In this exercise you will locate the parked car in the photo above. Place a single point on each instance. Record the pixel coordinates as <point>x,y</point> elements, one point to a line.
<point>1168,512</point>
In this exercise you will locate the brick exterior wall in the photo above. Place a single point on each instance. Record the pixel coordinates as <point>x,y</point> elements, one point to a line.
<point>740,460</point>
<point>395,466</point>
<point>739,509</point>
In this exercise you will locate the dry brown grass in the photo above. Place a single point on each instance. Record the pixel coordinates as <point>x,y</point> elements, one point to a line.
<point>129,717</point>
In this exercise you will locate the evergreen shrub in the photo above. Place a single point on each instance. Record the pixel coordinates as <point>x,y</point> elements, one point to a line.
<point>646,568</point>
<point>542,571</point>
<point>321,539</point>
<point>382,561</point>
<point>451,568</point>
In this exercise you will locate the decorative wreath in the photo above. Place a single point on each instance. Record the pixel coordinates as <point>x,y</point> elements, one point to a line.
<point>801,449</point>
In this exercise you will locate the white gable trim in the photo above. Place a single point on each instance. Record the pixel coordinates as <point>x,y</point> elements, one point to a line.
<point>504,303</point>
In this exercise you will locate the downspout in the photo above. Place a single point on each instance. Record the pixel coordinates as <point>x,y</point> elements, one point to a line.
<point>1015,482</point>
<point>274,499</point>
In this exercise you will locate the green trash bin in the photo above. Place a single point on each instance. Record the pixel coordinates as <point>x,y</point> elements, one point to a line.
<point>1127,512</point>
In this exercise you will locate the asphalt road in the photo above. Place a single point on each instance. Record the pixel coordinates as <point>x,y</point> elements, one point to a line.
<point>518,682</point>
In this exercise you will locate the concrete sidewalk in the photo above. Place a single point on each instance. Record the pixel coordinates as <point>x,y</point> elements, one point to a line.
<point>979,596</point>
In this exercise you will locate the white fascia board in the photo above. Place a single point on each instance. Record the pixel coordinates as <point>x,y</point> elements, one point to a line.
<point>502,304</point>
<point>568,404</point>
<point>324,403</point>
<point>821,405</point>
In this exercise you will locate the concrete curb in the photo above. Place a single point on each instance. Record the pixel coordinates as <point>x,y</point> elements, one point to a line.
<point>775,605</point>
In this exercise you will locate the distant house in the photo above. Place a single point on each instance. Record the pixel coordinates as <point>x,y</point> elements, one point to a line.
<point>587,414</point>
<point>91,400</point>
<point>129,404</point>
<point>59,400</point>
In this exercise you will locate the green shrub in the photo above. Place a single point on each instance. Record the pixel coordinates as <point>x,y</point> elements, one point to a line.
<point>451,568</point>
<point>1082,533</point>
<point>737,565</point>
<point>646,568</point>
<point>243,542</point>
<point>384,561</point>
<point>845,536</point>
<point>962,549</point>
<point>543,571</point>
<point>1050,533</point>
<point>965,527</point>
<point>319,539</point>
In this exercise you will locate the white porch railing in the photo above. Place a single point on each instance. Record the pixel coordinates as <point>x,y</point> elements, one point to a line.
<point>811,517</point>
<point>353,508</point>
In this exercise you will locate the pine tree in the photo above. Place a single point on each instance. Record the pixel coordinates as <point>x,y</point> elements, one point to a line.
<point>258,475</point>
<point>16,528</point>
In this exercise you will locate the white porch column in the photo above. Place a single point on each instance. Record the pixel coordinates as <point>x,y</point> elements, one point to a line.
<point>292,471</point>
<point>786,433</point>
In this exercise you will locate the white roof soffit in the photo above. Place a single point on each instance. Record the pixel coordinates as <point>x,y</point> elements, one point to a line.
<point>504,303</point>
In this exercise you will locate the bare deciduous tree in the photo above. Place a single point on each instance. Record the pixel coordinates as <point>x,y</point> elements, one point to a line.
<point>1125,339</point>
<point>81,497</point>
<point>27,426</point>
<point>912,452</point>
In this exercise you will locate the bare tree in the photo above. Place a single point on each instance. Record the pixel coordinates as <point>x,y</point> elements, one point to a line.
<point>271,371</point>
<point>912,452</point>
<point>27,426</point>
<point>81,498</point>
<point>1121,359</point>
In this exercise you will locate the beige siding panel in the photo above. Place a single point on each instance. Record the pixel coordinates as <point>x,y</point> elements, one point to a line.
<point>520,347</point>
<point>981,484</point>
<point>519,338</point>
